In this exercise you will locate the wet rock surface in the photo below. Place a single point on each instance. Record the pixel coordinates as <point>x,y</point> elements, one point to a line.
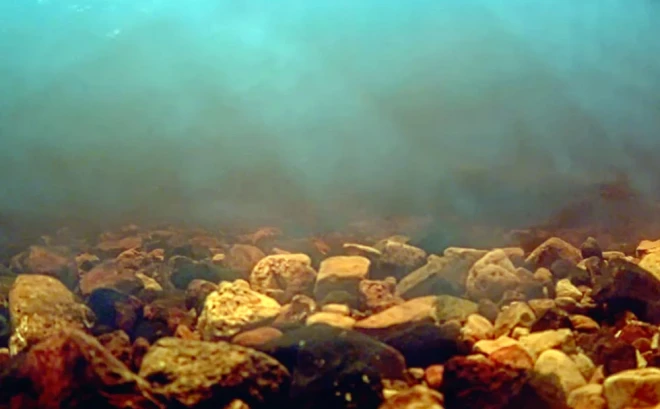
<point>374,318</point>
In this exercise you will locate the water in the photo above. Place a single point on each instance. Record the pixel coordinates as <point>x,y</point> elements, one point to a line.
<point>203,110</point>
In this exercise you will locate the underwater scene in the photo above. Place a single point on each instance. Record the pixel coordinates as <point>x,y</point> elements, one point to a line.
<point>367,204</point>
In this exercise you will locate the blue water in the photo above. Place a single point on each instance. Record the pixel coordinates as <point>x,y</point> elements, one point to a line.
<point>206,109</point>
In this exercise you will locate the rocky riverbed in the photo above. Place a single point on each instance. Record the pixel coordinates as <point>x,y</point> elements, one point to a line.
<point>193,318</point>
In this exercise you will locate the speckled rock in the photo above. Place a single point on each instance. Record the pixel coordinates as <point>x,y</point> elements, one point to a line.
<point>378,295</point>
<point>633,388</point>
<point>518,314</point>
<point>43,377</point>
<point>552,250</point>
<point>398,259</point>
<point>587,397</point>
<point>478,382</point>
<point>283,276</point>
<point>555,376</point>
<point>41,305</point>
<point>491,276</point>
<point>341,273</point>
<point>417,397</point>
<point>119,345</point>
<point>193,374</point>
<point>232,308</point>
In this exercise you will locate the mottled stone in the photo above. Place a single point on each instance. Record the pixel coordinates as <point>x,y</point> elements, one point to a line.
<point>587,397</point>
<point>514,315</point>
<point>190,373</point>
<point>491,276</point>
<point>555,376</point>
<point>454,308</point>
<point>440,275</point>
<point>197,292</point>
<point>479,382</point>
<point>539,342</point>
<point>633,388</point>
<point>552,250</point>
<point>590,248</point>
<point>51,261</point>
<point>232,308</point>
<point>119,345</point>
<point>378,295</point>
<point>477,328</point>
<point>515,356</point>
<point>41,305</point>
<point>398,259</point>
<point>71,369</point>
<point>286,274</point>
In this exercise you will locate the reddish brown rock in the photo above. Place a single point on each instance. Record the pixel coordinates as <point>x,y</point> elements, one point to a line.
<point>256,337</point>
<point>433,376</point>
<point>108,274</point>
<point>72,370</point>
<point>119,345</point>
<point>514,356</point>
<point>479,382</point>
<point>242,258</point>
<point>51,261</point>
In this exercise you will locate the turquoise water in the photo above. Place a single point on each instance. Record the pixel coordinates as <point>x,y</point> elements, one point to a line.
<point>203,109</point>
